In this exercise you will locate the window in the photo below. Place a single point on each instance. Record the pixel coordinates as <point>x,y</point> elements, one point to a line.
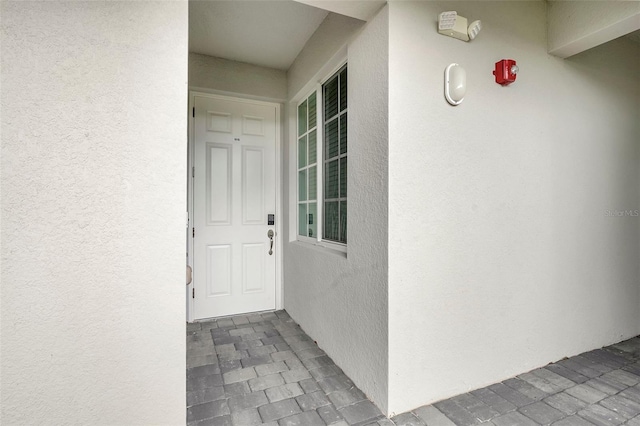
<point>335,157</point>
<point>307,167</point>
<point>322,162</point>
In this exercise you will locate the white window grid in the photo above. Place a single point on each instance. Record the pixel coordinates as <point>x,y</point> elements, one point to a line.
<point>320,147</point>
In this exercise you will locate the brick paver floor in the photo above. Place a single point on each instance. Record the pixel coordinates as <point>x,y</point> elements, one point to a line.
<point>262,369</point>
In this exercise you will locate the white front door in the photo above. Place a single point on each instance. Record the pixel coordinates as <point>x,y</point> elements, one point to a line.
<point>234,264</point>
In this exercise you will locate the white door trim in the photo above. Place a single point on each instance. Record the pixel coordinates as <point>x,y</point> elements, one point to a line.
<point>190,191</point>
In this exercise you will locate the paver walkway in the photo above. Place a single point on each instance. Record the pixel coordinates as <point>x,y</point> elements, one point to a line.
<point>262,369</point>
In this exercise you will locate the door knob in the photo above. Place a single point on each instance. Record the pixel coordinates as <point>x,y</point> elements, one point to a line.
<point>270,235</point>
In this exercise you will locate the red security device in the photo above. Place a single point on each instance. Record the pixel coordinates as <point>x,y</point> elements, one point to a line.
<point>505,71</point>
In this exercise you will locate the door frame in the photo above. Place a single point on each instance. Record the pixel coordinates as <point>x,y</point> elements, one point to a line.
<point>190,191</point>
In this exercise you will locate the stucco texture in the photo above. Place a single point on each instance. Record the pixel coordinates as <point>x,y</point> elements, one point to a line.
<point>341,301</point>
<point>93,212</point>
<point>573,26</point>
<point>209,73</point>
<point>501,255</point>
<point>334,32</point>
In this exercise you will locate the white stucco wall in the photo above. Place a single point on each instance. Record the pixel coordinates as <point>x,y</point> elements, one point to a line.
<point>330,36</point>
<point>238,78</point>
<point>575,26</point>
<point>341,302</point>
<point>501,255</point>
<point>93,212</point>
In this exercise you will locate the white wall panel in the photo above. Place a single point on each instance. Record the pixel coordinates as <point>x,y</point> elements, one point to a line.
<point>93,172</point>
<point>207,72</point>
<point>501,255</point>
<point>342,301</point>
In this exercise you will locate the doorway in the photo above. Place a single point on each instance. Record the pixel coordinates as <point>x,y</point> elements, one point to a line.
<point>234,193</point>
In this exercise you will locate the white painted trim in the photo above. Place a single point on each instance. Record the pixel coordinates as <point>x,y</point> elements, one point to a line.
<point>279,207</point>
<point>320,163</point>
<point>362,10</point>
<point>324,247</point>
<point>596,38</point>
<point>190,165</point>
<point>236,95</point>
<point>319,188</point>
<point>279,210</point>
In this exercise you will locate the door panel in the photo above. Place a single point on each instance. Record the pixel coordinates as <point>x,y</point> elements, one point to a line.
<point>252,186</point>
<point>218,191</point>
<point>253,273</point>
<point>218,270</point>
<point>234,192</point>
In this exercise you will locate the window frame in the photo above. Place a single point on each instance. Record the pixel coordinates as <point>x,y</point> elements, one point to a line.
<point>318,240</point>
<point>340,157</point>
<point>319,191</point>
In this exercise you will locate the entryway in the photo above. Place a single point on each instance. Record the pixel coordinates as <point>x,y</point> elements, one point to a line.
<point>233,243</point>
<point>262,369</point>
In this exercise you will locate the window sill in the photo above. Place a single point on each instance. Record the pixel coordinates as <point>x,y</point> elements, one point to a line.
<point>324,247</point>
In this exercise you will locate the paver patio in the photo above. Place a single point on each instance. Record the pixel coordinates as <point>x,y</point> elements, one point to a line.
<point>262,369</point>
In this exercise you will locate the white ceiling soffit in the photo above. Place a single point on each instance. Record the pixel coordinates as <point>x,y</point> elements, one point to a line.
<point>265,33</point>
<point>634,36</point>
<point>576,26</point>
<point>359,9</point>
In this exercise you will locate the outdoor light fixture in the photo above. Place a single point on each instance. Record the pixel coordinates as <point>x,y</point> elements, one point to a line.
<point>453,25</point>
<point>455,84</point>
